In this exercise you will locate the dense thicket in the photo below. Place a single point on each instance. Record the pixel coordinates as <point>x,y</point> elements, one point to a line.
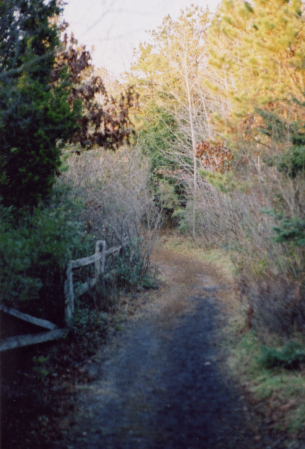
<point>168,74</point>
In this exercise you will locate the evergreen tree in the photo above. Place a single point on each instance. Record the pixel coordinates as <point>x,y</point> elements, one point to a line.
<point>34,114</point>
<point>257,48</point>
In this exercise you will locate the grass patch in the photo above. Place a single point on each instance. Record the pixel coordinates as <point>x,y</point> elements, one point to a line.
<point>291,356</point>
<point>297,419</point>
<point>220,258</point>
<point>280,390</point>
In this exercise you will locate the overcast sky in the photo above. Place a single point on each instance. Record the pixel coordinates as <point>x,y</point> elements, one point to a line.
<point>115,27</point>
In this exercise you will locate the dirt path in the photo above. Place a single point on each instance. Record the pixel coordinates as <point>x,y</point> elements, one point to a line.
<point>161,382</point>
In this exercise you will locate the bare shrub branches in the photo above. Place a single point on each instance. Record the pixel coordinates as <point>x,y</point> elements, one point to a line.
<point>114,188</point>
<point>119,208</point>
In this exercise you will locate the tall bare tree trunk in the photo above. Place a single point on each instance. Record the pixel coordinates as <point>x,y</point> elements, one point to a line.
<point>193,143</point>
<point>192,130</point>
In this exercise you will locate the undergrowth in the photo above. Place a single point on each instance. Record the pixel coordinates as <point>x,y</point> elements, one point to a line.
<point>273,375</point>
<point>35,246</point>
<point>291,356</point>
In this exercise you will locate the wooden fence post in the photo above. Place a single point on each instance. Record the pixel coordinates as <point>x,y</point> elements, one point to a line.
<point>100,263</point>
<point>69,294</point>
<point>104,256</point>
<point>99,259</point>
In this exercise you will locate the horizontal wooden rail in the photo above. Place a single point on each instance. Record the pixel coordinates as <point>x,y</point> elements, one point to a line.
<point>99,259</point>
<point>86,260</point>
<point>32,339</point>
<point>115,249</point>
<point>83,262</point>
<point>83,288</point>
<point>30,319</point>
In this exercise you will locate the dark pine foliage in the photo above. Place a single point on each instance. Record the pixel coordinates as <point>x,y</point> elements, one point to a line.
<point>34,114</point>
<point>48,98</point>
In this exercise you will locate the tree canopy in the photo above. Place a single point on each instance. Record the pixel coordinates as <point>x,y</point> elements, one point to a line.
<point>257,48</point>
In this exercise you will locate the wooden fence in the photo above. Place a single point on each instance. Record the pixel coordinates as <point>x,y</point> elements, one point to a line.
<point>30,339</point>
<point>99,259</point>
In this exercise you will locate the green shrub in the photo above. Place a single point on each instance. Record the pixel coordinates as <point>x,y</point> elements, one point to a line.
<point>224,182</point>
<point>85,319</point>
<point>127,270</point>
<point>288,229</point>
<point>34,250</point>
<point>40,365</point>
<point>89,327</point>
<point>291,230</point>
<point>292,355</point>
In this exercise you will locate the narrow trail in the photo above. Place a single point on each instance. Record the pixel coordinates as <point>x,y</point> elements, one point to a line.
<point>161,382</point>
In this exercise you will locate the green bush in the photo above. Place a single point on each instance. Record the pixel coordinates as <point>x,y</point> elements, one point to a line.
<point>88,327</point>
<point>40,365</point>
<point>34,250</point>
<point>157,135</point>
<point>224,182</point>
<point>129,269</point>
<point>289,357</point>
<point>288,229</point>
<point>291,230</point>
<point>86,319</point>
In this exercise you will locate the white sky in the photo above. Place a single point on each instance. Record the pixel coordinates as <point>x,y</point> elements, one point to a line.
<point>116,27</point>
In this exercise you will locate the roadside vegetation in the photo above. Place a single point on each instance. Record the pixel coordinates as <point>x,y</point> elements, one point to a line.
<point>60,190</point>
<point>223,98</point>
<point>68,179</point>
<point>205,137</point>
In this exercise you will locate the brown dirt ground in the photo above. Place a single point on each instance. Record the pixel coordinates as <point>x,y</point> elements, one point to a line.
<point>162,382</point>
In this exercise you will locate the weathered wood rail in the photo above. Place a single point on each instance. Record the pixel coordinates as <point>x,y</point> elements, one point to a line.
<point>30,339</point>
<point>99,259</point>
<point>30,319</point>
